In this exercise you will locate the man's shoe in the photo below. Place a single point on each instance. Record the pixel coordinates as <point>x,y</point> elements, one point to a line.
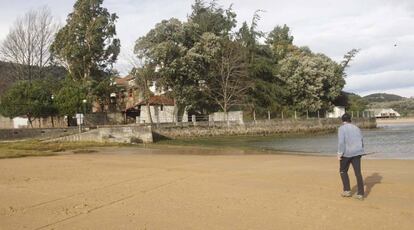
<point>359,197</point>
<point>346,194</point>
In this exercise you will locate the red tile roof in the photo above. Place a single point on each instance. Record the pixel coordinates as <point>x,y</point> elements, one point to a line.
<point>158,100</point>
<point>123,81</point>
<point>155,100</point>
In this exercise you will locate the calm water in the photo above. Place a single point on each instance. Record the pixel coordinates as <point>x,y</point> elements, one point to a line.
<point>388,141</point>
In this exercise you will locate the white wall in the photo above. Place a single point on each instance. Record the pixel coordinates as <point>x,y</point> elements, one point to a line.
<point>166,115</point>
<point>338,111</point>
<point>20,122</point>
<point>235,116</point>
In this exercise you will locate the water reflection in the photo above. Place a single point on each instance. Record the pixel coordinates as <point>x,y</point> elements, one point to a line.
<point>388,141</point>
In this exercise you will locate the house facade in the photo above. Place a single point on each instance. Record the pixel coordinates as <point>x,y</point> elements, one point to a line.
<point>385,113</point>
<point>161,108</point>
<point>338,111</point>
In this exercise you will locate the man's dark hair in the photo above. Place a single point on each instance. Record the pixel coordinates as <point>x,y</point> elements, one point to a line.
<point>346,118</point>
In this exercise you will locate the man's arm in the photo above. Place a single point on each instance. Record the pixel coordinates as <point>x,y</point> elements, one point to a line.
<point>341,143</point>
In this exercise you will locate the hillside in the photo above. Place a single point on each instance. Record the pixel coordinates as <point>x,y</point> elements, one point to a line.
<point>404,107</point>
<point>382,97</point>
<point>7,79</point>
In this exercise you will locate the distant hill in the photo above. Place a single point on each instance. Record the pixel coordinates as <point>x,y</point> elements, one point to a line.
<point>383,97</point>
<point>404,107</point>
<point>7,79</point>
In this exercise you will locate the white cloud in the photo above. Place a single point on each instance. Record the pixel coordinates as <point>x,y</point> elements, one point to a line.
<point>386,81</point>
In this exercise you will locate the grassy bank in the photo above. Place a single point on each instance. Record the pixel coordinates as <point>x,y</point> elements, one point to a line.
<point>38,148</point>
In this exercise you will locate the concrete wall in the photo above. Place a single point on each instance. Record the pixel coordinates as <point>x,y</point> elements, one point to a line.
<point>159,114</point>
<point>49,122</point>
<point>233,116</point>
<point>6,123</point>
<point>18,134</point>
<point>265,127</point>
<point>96,119</point>
<point>116,134</point>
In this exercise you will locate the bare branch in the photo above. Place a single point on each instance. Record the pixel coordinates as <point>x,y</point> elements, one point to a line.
<point>27,44</point>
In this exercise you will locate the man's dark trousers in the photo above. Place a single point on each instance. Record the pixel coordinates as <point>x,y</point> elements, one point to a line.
<point>343,169</point>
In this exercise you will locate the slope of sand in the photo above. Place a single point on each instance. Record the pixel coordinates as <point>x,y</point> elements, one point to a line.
<point>169,189</point>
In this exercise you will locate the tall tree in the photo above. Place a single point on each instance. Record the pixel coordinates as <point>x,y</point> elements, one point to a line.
<point>144,78</point>
<point>209,17</point>
<point>27,45</point>
<point>169,46</point>
<point>69,98</point>
<point>87,45</point>
<point>226,81</point>
<point>313,81</point>
<point>281,41</point>
<point>164,48</point>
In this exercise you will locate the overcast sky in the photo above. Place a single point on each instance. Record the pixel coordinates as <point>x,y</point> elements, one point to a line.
<point>382,29</point>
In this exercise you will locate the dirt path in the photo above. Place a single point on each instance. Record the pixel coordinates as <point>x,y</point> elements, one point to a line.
<point>137,189</point>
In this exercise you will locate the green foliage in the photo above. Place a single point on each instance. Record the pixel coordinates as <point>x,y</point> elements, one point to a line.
<point>383,97</point>
<point>268,92</point>
<point>280,76</point>
<point>211,18</point>
<point>280,41</point>
<point>33,100</point>
<point>69,99</point>
<point>313,81</point>
<point>87,43</point>
<point>356,103</point>
<point>173,47</point>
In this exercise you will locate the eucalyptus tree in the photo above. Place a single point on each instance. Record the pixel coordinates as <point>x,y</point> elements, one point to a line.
<point>280,41</point>
<point>87,45</point>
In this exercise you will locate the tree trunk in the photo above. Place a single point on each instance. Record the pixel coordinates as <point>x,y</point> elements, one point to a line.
<point>30,121</point>
<point>149,112</point>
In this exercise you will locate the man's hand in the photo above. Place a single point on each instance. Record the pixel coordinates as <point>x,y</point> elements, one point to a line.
<point>339,157</point>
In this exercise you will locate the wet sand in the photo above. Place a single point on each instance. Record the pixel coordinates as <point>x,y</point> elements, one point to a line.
<point>169,188</point>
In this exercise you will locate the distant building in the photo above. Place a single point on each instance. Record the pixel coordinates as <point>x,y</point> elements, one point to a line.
<point>337,112</point>
<point>385,113</point>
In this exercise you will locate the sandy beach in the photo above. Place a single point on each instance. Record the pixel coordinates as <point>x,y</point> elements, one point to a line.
<point>190,188</point>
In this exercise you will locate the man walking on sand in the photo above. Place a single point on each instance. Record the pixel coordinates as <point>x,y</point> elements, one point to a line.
<point>350,151</point>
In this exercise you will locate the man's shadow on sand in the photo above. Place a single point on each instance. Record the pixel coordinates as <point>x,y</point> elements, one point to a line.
<point>370,182</point>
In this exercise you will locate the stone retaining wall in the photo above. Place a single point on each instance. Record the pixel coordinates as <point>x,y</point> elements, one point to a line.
<point>266,127</point>
<point>116,134</point>
<point>28,133</point>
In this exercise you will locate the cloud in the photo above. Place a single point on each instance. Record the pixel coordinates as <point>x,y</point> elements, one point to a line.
<point>383,81</point>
